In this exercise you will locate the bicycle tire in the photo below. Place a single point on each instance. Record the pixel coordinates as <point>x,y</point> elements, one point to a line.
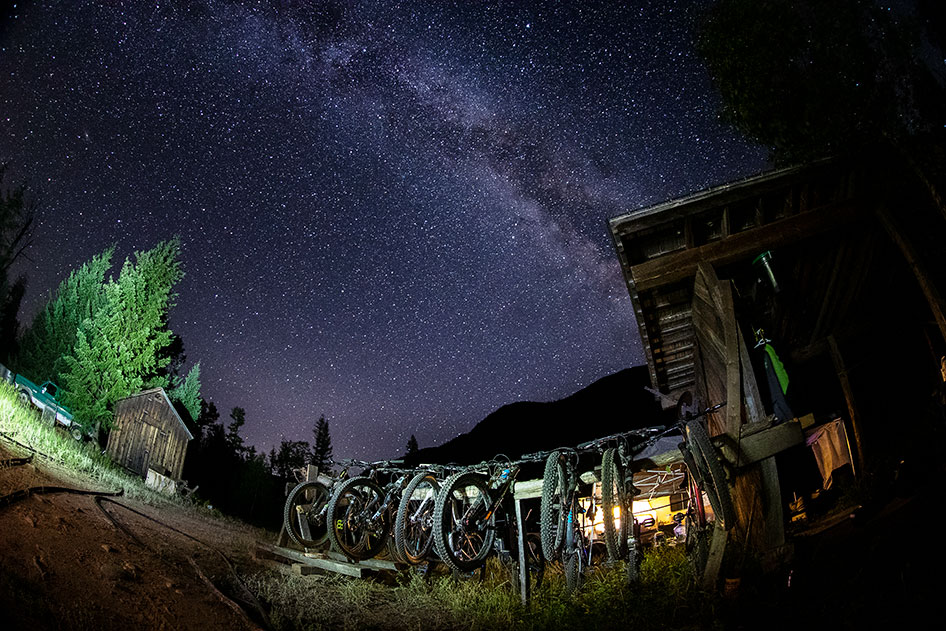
<point>614,495</point>
<point>413,527</point>
<point>353,532</point>
<point>307,501</point>
<point>716,486</point>
<point>461,538</point>
<point>573,574</point>
<point>552,506</point>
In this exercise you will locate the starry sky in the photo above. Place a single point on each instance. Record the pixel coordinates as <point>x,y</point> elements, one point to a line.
<point>391,213</point>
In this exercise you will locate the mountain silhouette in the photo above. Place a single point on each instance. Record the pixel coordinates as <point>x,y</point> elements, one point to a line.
<point>613,404</point>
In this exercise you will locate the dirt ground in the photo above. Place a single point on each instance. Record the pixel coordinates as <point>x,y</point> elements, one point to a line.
<point>64,564</point>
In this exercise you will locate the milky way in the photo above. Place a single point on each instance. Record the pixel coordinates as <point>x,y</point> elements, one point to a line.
<point>392,214</point>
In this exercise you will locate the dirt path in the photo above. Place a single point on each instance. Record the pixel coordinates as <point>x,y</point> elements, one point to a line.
<point>64,564</point>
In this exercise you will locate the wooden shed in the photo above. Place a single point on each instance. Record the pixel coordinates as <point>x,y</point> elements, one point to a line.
<point>149,434</point>
<point>841,265</point>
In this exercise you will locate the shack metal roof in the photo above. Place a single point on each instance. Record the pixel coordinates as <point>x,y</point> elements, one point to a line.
<point>164,394</point>
<point>659,248</point>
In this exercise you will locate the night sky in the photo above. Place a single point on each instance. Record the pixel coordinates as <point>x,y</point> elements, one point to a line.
<point>392,214</point>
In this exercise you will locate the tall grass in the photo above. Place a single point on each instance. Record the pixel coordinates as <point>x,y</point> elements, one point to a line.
<point>663,598</point>
<point>22,423</point>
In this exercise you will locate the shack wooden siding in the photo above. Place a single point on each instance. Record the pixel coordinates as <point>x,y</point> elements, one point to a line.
<point>148,433</point>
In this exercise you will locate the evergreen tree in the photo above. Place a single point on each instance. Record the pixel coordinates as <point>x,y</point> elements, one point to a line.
<point>16,230</point>
<point>412,447</point>
<point>810,78</point>
<point>322,448</point>
<point>234,440</point>
<point>52,334</point>
<point>187,391</point>
<point>117,350</point>
<point>292,454</point>
<point>9,324</point>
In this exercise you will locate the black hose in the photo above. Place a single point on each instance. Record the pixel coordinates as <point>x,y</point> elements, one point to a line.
<point>22,494</point>
<point>15,462</point>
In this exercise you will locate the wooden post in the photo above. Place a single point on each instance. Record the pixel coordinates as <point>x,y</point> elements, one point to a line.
<point>523,567</point>
<point>841,369</point>
<point>927,285</point>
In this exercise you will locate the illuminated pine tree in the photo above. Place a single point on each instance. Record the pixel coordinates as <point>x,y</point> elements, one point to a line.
<point>187,391</point>
<point>119,350</point>
<point>52,334</point>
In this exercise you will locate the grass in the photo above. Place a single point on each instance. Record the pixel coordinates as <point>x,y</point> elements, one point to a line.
<point>22,423</point>
<point>663,598</point>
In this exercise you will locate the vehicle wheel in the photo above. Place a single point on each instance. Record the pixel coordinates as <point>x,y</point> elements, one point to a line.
<point>76,432</point>
<point>413,527</point>
<point>572,571</point>
<point>463,537</point>
<point>613,496</point>
<point>25,398</point>
<point>707,461</point>
<point>355,528</point>
<point>552,508</point>
<point>305,514</point>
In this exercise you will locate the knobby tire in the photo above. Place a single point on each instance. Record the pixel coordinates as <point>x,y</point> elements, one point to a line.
<point>711,470</point>
<point>552,510</point>
<point>350,511</point>
<point>614,494</point>
<point>311,497</point>
<point>413,527</point>
<point>462,538</point>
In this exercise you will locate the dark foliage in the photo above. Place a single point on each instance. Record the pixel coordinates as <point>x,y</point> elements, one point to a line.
<point>810,78</point>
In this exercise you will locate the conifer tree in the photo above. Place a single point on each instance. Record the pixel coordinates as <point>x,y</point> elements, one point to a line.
<point>322,448</point>
<point>117,349</point>
<point>234,440</point>
<point>52,334</point>
<point>412,447</point>
<point>187,391</point>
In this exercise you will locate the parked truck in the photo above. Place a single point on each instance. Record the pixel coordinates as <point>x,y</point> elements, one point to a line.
<point>44,397</point>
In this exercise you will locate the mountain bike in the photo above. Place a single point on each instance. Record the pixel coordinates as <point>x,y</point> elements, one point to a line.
<point>465,513</point>
<point>306,509</point>
<point>414,524</point>
<point>360,510</point>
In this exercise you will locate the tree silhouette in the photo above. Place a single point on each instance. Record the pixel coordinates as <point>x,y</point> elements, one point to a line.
<point>234,440</point>
<point>322,448</point>
<point>412,447</point>
<point>810,78</point>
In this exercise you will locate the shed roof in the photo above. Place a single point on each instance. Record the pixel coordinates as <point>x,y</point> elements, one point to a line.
<point>659,248</point>
<point>166,400</point>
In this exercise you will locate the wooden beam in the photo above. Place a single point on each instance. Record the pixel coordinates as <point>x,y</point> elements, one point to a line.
<point>927,285</point>
<point>714,560</point>
<point>761,445</point>
<point>841,370</point>
<point>678,266</point>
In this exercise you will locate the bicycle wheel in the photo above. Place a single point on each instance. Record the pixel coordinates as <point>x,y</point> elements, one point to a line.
<point>552,506</point>
<point>716,486</point>
<point>614,496</point>
<point>573,573</point>
<point>414,525</point>
<point>305,512</point>
<point>463,530</point>
<point>359,528</point>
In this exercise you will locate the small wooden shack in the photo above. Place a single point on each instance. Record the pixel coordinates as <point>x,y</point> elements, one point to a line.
<point>149,434</point>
